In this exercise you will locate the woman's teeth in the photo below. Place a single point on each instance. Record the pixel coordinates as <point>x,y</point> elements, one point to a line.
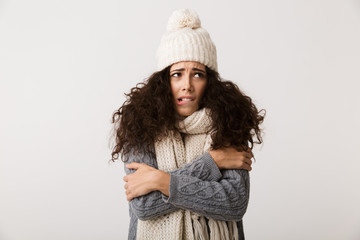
<point>185,99</point>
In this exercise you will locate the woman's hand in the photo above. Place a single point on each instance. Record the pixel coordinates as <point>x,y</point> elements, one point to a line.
<point>144,180</point>
<point>230,158</point>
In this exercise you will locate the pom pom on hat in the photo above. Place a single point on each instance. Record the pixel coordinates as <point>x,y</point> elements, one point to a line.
<point>183,18</point>
<point>186,40</point>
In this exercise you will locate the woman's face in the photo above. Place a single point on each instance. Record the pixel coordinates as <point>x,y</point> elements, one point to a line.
<point>188,82</point>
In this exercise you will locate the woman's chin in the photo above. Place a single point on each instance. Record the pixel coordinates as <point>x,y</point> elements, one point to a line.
<point>185,111</point>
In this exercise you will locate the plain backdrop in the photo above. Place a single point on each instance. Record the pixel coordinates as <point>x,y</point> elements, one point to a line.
<point>65,66</point>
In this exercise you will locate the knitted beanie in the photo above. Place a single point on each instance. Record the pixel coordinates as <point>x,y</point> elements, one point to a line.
<point>186,40</point>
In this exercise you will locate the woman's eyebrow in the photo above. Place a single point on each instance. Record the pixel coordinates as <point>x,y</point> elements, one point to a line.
<point>179,69</point>
<point>197,69</point>
<point>182,69</point>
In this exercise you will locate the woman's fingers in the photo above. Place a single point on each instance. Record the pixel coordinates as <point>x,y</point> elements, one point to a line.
<point>248,161</point>
<point>128,196</point>
<point>246,164</point>
<point>248,154</point>
<point>128,192</point>
<point>139,182</point>
<point>246,167</point>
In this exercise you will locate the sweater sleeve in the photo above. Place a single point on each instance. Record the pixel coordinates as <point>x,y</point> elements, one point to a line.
<point>226,199</point>
<point>152,205</point>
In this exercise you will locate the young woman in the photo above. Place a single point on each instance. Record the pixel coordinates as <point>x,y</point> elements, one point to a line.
<point>186,137</point>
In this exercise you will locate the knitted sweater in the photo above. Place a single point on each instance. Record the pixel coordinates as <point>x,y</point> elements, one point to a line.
<point>199,187</point>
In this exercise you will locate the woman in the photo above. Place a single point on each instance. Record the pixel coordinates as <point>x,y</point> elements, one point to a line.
<point>186,138</point>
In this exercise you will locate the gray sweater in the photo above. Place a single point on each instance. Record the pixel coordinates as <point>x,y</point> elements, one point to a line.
<point>199,187</point>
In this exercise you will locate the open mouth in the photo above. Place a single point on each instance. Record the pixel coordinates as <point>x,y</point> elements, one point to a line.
<point>185,99</point>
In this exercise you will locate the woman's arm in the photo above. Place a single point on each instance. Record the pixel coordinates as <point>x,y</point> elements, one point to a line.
<point>226,199</point>
<point>228,183</point>
<point>152,205</point>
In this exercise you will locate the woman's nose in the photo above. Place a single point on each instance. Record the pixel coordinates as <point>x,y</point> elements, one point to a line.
<point>187,86</point>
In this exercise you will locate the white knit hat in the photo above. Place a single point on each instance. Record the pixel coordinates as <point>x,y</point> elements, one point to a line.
<point>186,40</point>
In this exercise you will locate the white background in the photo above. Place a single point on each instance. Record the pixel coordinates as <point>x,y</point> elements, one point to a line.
<point>65,66</point>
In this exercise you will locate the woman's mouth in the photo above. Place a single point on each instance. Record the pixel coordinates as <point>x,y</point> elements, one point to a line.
<point>184,100</point>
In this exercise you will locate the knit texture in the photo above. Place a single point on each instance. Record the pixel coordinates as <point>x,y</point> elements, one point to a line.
<point>173,152</point>
<point>193,187</point>
<point>186,40</point>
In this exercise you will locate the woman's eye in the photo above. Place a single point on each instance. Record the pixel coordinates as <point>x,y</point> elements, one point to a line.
<point>176,75</point>
<point>200,75</point>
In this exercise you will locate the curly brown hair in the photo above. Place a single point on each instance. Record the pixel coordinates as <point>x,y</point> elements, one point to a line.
<point>148,113</point>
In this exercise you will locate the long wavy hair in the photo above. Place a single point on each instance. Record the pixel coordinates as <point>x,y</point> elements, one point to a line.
<point>149,113</point>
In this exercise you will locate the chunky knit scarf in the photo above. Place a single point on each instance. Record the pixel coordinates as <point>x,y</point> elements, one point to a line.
<point>173,152</point>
